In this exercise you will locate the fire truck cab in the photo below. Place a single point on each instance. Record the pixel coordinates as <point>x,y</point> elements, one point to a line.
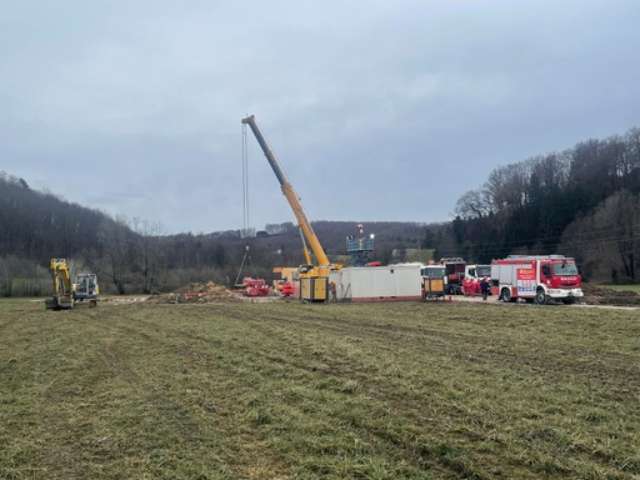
<point>536,278</point>
<point>473,275</point>
<point>454,267</point>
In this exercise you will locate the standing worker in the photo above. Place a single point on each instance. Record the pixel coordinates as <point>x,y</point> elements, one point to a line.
<point>484,288</point>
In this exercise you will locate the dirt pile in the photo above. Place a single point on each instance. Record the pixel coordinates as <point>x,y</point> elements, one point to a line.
<point>124,299</point>
<point>197,293</point>
<point>599,295</point>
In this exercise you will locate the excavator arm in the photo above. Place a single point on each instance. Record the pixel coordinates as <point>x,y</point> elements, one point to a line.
<point>291,196</point>
<point>62,285</point>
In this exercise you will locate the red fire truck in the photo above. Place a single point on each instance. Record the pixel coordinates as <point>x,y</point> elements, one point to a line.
<point>473,275</point>
<point>536,278</point>
<point>454,267</point>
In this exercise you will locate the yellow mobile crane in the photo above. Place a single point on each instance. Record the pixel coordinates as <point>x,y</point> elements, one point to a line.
<point>314,279</point>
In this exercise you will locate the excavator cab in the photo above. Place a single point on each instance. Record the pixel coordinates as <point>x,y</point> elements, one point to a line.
<point>86,288</point>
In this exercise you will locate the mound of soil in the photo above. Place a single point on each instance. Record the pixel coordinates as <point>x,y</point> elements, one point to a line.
<point>600,295</point>
<point>197,293</point>
<point>124,299</point>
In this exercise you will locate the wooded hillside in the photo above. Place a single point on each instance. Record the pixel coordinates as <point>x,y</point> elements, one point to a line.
<point>582,201</point>
<point>132,255</point>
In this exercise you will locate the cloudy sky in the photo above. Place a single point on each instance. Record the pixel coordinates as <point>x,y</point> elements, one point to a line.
<point>377,110</point>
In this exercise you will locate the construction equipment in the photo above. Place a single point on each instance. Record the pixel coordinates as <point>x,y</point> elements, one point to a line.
<point>434,282</point>
<point>62,287</point>
<point>314,279</point>
<point>65,293</point>
<point>86,289</point>
<point>286,281</point>
<point>255,287</point>
<point>360,247</point>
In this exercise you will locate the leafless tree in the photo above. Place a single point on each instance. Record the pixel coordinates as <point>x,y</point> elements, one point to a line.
<point>116,244</point>
<point>473,204</point>
<point>148,255</point>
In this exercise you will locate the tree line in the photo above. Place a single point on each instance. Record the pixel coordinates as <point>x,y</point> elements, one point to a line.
<point>582,202</point>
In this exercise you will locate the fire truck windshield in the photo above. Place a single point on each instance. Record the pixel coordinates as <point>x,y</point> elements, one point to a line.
<point>483,271</point>
<point>565,268</point>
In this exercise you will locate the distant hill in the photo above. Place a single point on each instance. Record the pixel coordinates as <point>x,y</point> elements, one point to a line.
<point>132,256</point>
<point>39,225</point>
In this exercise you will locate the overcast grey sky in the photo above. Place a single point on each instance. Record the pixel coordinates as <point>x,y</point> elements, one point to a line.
<point>377,110</point>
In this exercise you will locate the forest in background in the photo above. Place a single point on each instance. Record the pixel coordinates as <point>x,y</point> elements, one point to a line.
<point>582,202</point>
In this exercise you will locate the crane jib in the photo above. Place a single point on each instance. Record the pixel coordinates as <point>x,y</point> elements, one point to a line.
<point>250,120</point>
<point>290,195</point>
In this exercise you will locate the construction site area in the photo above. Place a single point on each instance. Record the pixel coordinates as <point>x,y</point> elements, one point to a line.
<point>320,240</point>
<point>531,278</point>
<point>342,367</point>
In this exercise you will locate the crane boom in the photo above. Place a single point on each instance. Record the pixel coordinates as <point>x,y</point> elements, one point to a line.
<point>290,194</point>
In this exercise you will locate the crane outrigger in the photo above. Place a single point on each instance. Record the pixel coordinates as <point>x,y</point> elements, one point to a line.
<point>314,279</point>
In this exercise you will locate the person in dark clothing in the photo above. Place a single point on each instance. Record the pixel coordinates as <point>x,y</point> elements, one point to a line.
<point>484,288</point>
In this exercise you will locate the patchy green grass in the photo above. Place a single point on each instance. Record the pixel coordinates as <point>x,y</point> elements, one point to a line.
<point>396,391</point>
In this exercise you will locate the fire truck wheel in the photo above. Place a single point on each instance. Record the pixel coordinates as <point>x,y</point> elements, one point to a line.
<point>541,297</point>
<point>505,295</point>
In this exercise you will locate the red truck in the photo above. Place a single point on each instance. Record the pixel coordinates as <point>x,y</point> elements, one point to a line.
<point>537,278</point>
<point>473,275</point>
<point>454,268</point>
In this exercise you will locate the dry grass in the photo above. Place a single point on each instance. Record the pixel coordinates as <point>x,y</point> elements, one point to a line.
<point>291,391</point>
<point>633,287</point>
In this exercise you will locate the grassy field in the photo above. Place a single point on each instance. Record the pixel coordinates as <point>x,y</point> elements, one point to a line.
<point>343,391</point>
<point>635,287</point>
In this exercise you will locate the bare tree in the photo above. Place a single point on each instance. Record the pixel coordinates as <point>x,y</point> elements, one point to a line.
<point>473,204</point>
<point>148,255</point>
<point>116,245</point>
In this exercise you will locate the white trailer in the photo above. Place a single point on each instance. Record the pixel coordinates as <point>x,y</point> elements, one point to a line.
<point>400,282</point>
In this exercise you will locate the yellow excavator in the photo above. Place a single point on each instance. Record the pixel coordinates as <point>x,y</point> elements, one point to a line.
<point>314,278</point>
<point>65,293</point>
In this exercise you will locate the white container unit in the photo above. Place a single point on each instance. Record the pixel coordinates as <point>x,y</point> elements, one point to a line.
<point>370,284</point>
